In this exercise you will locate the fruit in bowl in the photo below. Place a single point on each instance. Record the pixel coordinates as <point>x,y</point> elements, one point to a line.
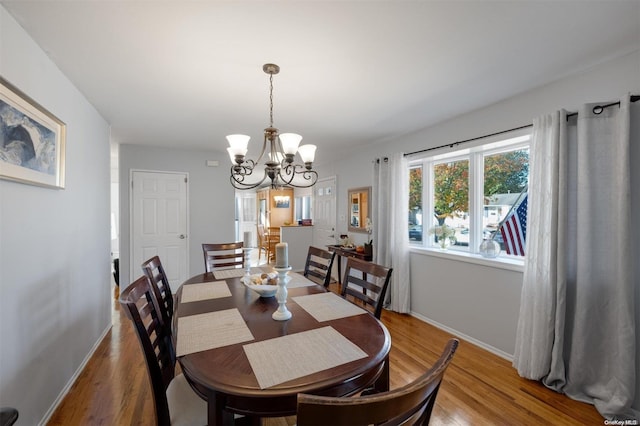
<point>264,279</point>
<point>360,249</point>
<point>266,285</point>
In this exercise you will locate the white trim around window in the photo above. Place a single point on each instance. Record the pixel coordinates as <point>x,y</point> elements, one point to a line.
<point>475,154</point>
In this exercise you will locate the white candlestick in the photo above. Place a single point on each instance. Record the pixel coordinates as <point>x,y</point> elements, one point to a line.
<point>247,260</point>
<point>282,255</point>
<point>247,239</point>
<point>282,313</point>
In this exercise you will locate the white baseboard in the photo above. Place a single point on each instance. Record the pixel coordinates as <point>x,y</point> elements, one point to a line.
<point>73,379</point>
<point>495,351</point>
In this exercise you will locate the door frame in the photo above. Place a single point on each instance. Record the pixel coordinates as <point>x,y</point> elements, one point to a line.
<point>131,219</point>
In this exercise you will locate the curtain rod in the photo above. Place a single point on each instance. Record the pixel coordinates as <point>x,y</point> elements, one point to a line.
<point>451,145</point>
<point>596,109</point>
<point>599,108</point>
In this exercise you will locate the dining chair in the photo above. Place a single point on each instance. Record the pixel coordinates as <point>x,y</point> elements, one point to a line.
<point>160,287</point>
<point>267,240</point>
<point>174,400</point>
<point>411,404</point>
<point>319,264</point>
<point>8,416</point>
<point>274,231</point>
<point>262,242</point>
<point>224,255</point>
<point>362,280</point>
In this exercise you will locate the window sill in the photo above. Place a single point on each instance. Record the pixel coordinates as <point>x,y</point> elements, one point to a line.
<point>501,262</point>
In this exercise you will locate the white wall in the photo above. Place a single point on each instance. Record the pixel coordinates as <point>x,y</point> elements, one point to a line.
<point>352,177</point>
<point>211,198</point>
<point>479,301</point>
<point>54,244</point>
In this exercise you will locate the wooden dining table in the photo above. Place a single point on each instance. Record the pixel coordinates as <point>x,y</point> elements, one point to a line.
<point>258,365</point>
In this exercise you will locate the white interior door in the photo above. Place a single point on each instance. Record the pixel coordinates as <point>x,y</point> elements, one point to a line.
<point>324,212</point>
<point>246,216</point>
<point>159,222</point>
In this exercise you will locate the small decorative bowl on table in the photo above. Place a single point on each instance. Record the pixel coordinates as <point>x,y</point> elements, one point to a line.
<point>266,285</point>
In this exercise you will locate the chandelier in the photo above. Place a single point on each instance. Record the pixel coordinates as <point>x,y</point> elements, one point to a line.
<point>278,151</point>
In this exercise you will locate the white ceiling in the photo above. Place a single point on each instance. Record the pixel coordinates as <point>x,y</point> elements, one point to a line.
<point>187,73</point>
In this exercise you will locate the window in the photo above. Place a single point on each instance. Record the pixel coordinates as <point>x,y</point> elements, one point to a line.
<point>415,203</point>
<point>469,191</point>
<point>451,198</point>
<point>302,208</point>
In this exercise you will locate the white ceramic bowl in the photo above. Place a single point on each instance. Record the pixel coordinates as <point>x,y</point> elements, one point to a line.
<point>264,290</point>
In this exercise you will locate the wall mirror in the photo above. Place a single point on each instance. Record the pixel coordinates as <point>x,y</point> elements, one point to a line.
<point>359,208</point>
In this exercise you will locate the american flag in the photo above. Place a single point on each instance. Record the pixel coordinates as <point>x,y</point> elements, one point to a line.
<point>514,229</point>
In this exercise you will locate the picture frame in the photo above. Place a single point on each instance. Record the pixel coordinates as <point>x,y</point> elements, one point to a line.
<point>32,140</point>
<point>359,205</point>
<point>281,202</point>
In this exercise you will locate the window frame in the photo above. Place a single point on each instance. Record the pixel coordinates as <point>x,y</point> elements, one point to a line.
<point>475,152</point>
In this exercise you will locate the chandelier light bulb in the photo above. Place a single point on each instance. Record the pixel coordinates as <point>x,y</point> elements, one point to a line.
<point>290,142</point>
<point>307,153</point>
<point>238,144</point>
<point>232,154</point>
<point>276,157</point>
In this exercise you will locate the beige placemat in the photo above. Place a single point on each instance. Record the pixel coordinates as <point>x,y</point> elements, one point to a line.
<point>223,274</point>
<point>298,280</point>
<point>278,360</point>
<point>211,330</point>
<point>327,306</point>
<point>204,291</point>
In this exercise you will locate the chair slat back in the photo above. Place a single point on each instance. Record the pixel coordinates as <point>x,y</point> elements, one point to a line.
<point>262,243</point>
<point>225,255</point>
<point>362,280</point>
<point>141,307</point>
<point>318,265</point>
<point>154,270</point>
<point>409,405</point>
<point>267,240</point>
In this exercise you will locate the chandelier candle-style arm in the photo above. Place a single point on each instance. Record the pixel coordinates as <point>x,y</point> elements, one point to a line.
<point>289,173</point>
<point>278,150</point>
<point>239,173</point>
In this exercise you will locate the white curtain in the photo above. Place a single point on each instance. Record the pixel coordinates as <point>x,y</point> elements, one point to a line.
<point>576,329</point>
<point>390,222</point>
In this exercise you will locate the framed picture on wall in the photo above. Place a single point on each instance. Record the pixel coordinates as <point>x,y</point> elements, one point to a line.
<point>32,140</point>
<point>281,201</point>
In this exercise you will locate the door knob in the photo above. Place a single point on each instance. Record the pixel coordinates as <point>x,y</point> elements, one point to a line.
<point>182,236</point>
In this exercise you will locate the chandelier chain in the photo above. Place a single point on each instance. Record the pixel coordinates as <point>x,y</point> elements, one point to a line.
<point>271,99</point>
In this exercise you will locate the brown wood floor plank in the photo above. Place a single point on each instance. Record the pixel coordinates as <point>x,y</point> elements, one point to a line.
<point>479,388</point>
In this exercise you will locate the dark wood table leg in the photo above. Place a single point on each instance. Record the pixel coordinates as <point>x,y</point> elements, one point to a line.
<point>382,384</point>
<point>216,414</point>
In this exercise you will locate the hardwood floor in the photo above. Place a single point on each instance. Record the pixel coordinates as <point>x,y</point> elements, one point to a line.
<point>479,388</point>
